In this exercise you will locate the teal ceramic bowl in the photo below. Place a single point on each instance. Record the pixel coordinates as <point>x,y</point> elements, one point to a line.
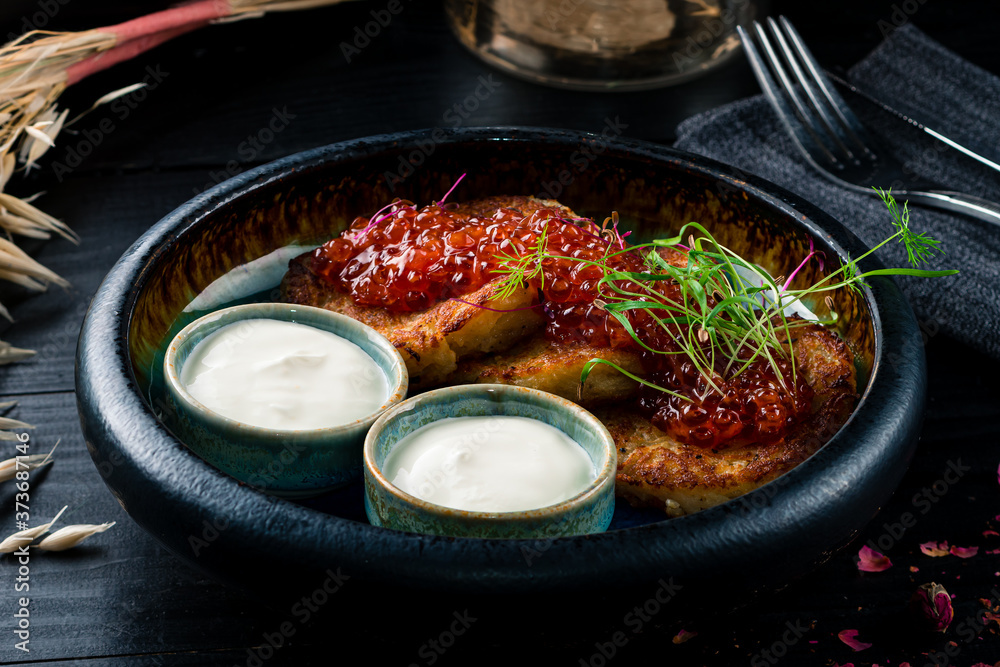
<point>288,463</point>
<point>588,512</point>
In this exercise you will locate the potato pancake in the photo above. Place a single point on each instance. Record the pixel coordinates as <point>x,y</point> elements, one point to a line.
<point>434,340</point>
<point>507,332</point>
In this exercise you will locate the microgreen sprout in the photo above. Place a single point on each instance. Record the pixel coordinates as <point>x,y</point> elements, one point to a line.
<point>919,247</point>
<point>520,270</point>
<point>726,312</point>
<point>451,189</point>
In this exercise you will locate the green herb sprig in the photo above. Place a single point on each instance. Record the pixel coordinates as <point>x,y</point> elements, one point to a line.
<point>729,312</point>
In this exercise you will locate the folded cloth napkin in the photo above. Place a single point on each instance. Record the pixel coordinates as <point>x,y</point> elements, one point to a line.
<point>963,99</point>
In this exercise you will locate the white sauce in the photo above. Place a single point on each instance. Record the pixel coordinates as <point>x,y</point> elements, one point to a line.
<point>489,464</point>
<point>283,375</point>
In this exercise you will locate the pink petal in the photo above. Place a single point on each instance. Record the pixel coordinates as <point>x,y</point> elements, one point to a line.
<point>848,637</point>
<point>934,549</point>
<point>964,552</point>
<point>988,533</point>
<point>993,551</point>
<point>683,636</point>
<point>870,560</point>
<point>931,605</point>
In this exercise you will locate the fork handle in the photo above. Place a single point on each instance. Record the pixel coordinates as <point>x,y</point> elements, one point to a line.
<point>958,202</point>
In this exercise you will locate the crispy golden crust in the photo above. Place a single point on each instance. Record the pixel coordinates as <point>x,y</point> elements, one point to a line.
<point>540,364</point>
<point>526,205</point>
<point>433,341</point>
<point>654,470</point>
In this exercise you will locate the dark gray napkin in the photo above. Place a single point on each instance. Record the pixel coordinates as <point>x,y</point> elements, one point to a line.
<point>964,101</point>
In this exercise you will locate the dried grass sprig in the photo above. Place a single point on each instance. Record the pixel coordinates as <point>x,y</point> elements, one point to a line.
<point>36,68</point>
<point>10,467</point>
<point>71,536</point>
<point>8,353</point>
<point>25,537</point>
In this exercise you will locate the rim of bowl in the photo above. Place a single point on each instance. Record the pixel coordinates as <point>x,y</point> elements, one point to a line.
<point>604,476</point>
<point>398,380</point>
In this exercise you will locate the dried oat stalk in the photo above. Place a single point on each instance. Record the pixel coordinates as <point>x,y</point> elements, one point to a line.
<point>25,537</point>
<point>36,68</point>
<point>10,467</point>
<point>71,536</point>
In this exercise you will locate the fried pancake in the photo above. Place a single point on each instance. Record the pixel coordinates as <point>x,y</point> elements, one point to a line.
<point>555,368</point>
<point>468,341</point>
<point>654,470</point>
<point>434,340</point>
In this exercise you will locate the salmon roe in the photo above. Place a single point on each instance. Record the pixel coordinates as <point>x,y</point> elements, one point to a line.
<point>411,258</point>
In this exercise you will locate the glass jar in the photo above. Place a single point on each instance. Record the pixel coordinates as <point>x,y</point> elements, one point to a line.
<point>601,44</point>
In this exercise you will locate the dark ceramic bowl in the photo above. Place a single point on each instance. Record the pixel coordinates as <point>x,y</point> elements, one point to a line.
<point>720,556</point>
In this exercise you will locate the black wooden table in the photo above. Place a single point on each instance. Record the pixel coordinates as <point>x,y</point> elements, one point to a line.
<point>121,599</point>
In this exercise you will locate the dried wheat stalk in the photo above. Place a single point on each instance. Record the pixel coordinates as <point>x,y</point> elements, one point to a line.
<point>35,69</point>
<point>22,538</point>
<point>70,536</point>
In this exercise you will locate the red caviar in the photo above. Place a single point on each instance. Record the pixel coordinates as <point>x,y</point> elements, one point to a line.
<point>408,259</point>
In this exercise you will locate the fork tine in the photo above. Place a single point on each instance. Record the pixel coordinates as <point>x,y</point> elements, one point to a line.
<point>850,123</point>
<point>782,98</point>
<point>828,123</point>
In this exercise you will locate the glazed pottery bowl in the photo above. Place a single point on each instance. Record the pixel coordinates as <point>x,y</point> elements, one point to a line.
<point>760,541</point>
<point>589,511</point>
<point>284,462</point>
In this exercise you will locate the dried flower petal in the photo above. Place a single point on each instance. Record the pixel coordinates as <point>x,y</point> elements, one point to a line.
<point>935,549</point>
<point>990,617</point>
<point>964,552</point>
<point>931,604</point>
<point>70,536</point>
<point>683,636</point>
<point>848,637</point>
<point>27,536</point>
<point>990,533</point>
<point>870,560</point>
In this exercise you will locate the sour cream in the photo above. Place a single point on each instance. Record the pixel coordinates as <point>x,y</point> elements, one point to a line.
<point>283,375</point>
<point>489,464</point>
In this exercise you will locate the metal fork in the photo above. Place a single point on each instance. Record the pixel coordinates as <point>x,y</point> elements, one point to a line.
<point>827,132</point>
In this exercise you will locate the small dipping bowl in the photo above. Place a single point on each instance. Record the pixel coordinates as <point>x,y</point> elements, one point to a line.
<point>589,511</point>
<point>283,462</point>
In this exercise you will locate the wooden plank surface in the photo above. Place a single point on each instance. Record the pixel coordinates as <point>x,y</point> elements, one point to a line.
<point>123,600</point>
